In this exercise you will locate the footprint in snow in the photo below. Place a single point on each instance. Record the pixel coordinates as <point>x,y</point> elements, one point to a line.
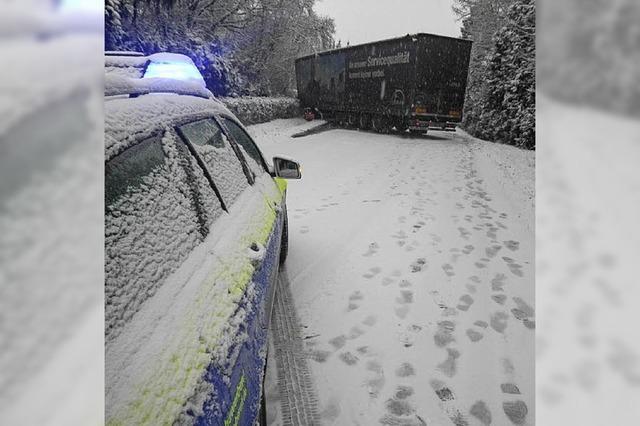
<point>442,391</point>
<point>523,312</point>
<point>397,409</point>
<point>319,355</point>
<point>338,341</point>
<point>418,265</point>
<point>446,396</point>
<point>497,283</point>
<point>512,245</point>
<point>464,233</point>
<point>372,272</point>
<point>435,238</point>
<point>377,381</point>
<point>515,269</point>
<point>480,411</point>
<point>499,321</point>
<point>355,332</point>
<point>373,249</point>
<point>370,320</point>
<point>408,336</point>
<point>403,392</point>
<point>499,298</point>
<point>510,388</point>
<point>444,334</point>
<point>354,299</point>
<point>480,265</point>
<point>405,370</point>
<point>516,411</point>
<point>474,335</point>
<point>405,283</point>
<point>449,366</point>
<point>348,358</point>
<point>467,301</point>
<point>363,350</point>
<point>386,281</point>
<point>492,251</point>
<point>406,297</point>
<point>448,269</point>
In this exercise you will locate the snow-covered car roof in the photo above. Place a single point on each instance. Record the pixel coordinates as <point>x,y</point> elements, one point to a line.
<point>128,120</point>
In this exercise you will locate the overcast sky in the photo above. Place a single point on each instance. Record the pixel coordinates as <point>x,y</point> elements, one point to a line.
<point>361,21</point>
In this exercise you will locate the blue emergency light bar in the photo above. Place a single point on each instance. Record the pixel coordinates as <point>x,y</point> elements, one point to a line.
<point>174,70</point>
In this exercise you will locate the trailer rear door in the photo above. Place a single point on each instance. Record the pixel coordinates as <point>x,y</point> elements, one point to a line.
<point>441,77</point>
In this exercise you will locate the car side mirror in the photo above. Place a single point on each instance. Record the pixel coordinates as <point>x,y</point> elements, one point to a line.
<point>286,168</point>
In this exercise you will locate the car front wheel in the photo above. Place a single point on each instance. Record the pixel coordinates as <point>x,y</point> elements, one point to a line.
<point>284,241</point>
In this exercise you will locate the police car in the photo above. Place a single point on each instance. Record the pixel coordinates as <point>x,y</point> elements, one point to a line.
<point>195,231</point>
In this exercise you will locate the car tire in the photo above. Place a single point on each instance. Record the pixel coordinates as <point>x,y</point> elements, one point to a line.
<point>262,416</point>
<point>284,241</point>
<point>379,123</point>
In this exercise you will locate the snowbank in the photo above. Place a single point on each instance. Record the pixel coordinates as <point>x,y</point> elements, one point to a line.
<point>510,168</point>
<point>252,110</point>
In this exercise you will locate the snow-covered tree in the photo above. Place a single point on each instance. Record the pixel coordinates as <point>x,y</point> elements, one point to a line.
<point>508,109</point>
<point>499,103</point>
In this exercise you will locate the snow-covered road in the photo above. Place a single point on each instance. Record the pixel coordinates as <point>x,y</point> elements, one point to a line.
<point>411,267</point>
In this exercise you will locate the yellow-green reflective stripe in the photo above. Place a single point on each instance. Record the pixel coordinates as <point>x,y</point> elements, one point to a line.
<point>233,418</point>
<point>282,184</point>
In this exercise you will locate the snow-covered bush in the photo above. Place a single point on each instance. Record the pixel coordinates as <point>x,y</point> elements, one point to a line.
<point>500,100</point>
<point>253,109</point>
<point>508,109</point>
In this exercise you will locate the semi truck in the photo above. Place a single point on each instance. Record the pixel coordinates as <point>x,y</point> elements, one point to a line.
<point>410,83</point>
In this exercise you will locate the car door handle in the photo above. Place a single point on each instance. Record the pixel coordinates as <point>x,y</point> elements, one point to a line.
<point>256,252</point>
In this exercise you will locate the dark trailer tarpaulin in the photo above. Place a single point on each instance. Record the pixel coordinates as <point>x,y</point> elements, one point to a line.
<point>411,82</point>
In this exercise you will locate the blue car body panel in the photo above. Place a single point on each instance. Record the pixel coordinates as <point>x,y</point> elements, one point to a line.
<point>236,401</point>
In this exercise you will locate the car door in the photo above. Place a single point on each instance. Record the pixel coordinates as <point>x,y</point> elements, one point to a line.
<point>267,184</point>
<point>159,213</point>
<point>237,377</point>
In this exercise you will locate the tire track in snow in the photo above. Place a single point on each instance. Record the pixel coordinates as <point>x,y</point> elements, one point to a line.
<point>298,398</point>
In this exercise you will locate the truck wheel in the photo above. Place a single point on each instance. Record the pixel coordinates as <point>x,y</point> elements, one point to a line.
<point>380,124</point>
<point>351,120</point>
<point>364,122</point>
<point>401,126</point>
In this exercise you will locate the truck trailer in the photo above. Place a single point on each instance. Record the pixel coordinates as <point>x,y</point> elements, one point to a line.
<point>415,82</point>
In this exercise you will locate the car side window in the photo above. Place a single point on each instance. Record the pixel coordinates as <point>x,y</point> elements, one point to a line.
<point>211,144</point>
<point>248,147</point>
<point>151,224</point>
